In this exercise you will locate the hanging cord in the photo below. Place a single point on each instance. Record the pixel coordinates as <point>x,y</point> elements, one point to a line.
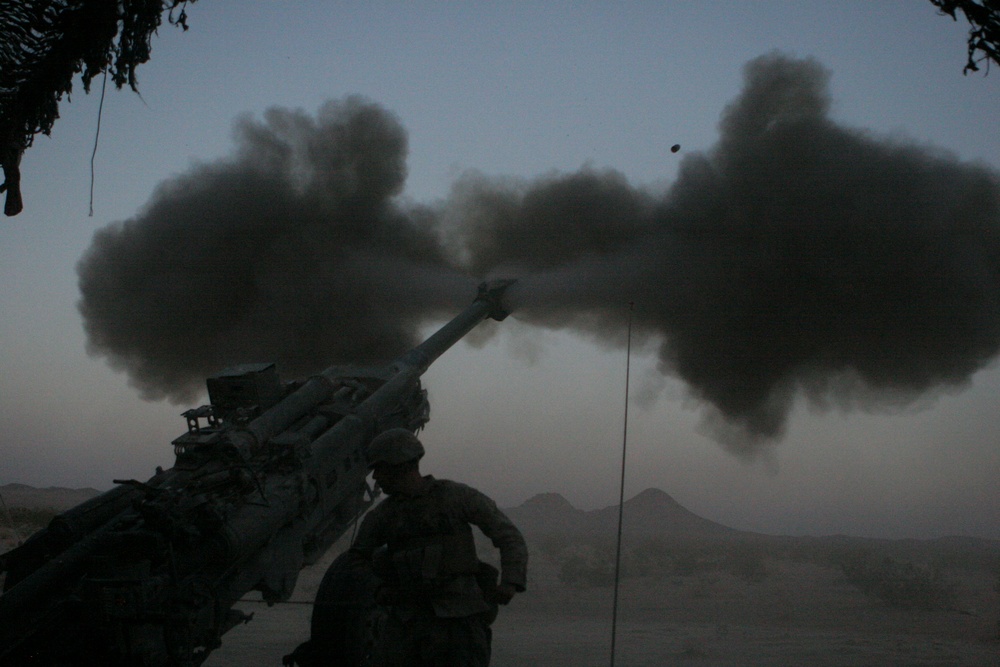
<point>621,489</point>
<point>97,136</point>
<point>357,515</point>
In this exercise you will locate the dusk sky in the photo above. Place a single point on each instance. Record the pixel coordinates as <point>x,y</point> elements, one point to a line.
<point>492,99</point>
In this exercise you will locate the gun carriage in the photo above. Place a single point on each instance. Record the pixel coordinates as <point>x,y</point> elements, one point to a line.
<point>266,478</point>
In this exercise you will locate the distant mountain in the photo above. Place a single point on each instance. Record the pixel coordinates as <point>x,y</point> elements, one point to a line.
<point>53,497</point>
<point>548,513</point>
<point>650,514</point>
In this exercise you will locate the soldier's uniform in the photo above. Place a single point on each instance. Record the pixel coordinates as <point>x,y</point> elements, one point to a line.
<point>423,550</point>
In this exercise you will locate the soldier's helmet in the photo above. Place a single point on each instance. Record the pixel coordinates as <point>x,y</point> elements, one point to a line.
<point>394,446</point>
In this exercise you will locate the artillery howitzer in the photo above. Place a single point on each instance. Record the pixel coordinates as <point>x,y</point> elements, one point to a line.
<point>266,479</point>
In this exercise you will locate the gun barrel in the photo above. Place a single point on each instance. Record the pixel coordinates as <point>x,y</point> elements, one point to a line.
<point>488,304</point>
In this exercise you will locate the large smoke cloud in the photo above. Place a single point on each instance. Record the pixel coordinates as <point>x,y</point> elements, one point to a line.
<point>293,251</point>
<point>796,258</point>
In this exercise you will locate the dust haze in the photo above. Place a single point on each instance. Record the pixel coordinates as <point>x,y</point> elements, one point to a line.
<point>795,260</point>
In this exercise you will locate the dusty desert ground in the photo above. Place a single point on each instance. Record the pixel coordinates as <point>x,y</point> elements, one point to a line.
<point>784,603</point>
<point>799,614</point>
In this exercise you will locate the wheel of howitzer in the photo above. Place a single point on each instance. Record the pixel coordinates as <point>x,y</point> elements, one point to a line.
<point>341,619</point>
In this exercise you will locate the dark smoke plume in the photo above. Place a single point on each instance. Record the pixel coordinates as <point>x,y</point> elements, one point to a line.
<point>795,258</point>
<point>293,251</point>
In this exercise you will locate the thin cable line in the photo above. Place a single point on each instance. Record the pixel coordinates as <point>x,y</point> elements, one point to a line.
<point>621,488</point>
<point>97,136</point>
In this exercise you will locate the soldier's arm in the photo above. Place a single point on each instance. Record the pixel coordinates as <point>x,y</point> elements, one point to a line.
<point>371,535</point>
<point>482,512</point>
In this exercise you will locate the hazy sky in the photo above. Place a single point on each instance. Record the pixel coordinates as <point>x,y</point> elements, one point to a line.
<point>514,93</point>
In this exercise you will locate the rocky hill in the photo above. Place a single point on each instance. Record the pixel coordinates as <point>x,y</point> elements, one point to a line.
<point>25,509</point>
<point>650,514</point>
<point>53,497</point>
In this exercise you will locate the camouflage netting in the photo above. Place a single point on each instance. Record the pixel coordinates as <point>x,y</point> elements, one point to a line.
<point>44,44</point>
<point>984,30</point>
